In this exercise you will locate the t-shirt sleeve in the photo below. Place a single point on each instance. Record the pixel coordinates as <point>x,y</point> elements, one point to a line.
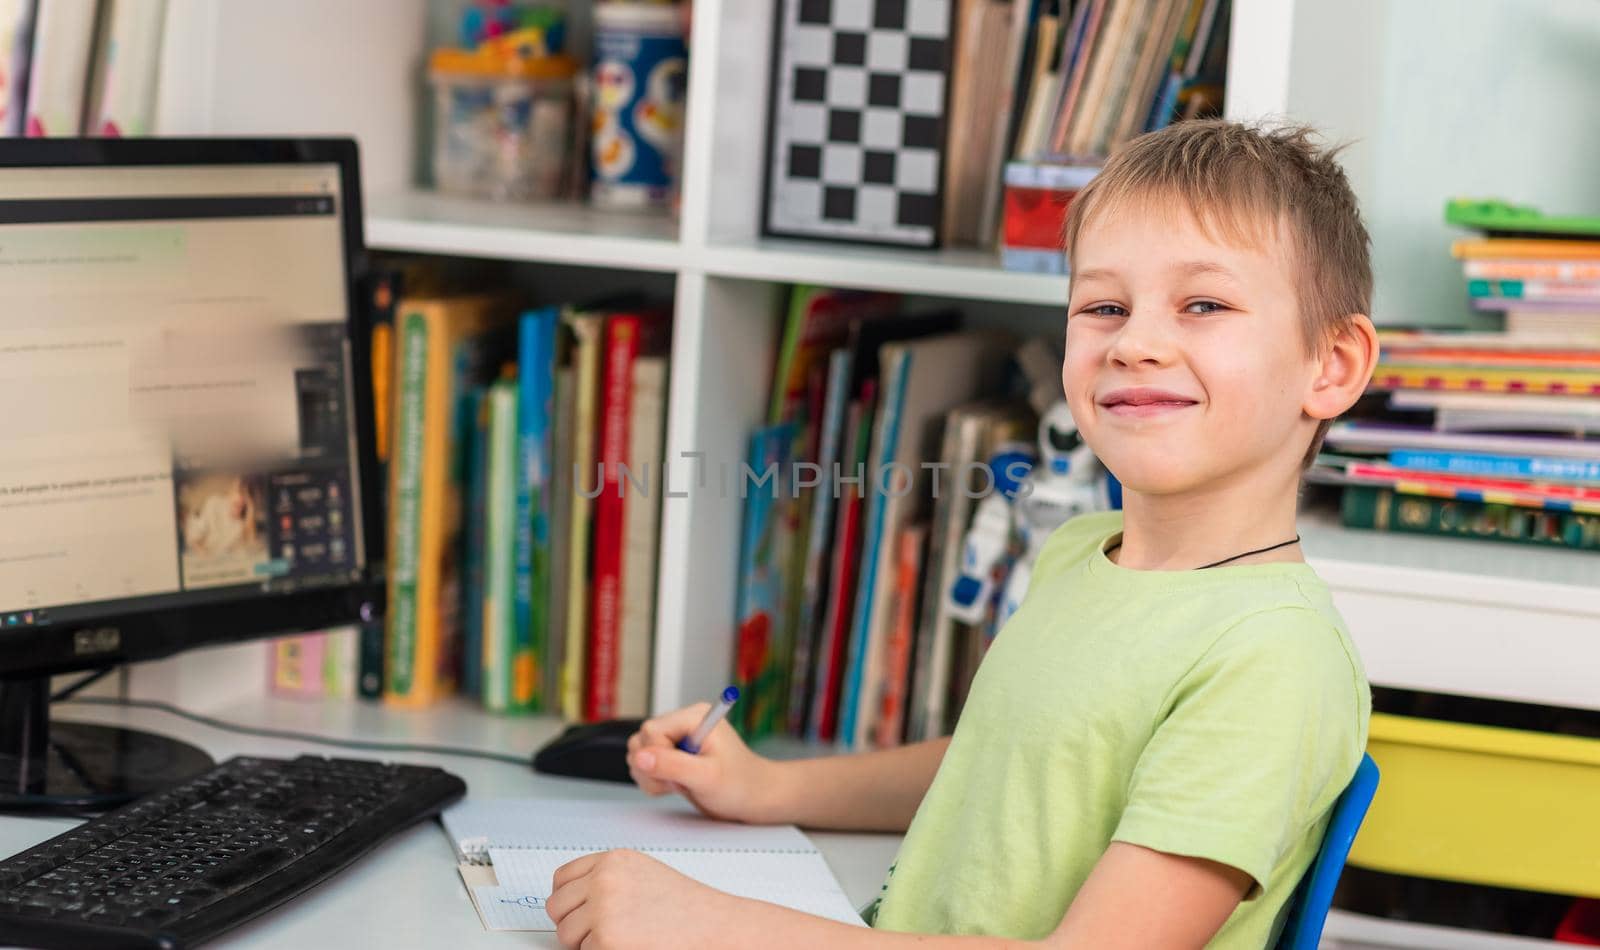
<point>1261,736</point>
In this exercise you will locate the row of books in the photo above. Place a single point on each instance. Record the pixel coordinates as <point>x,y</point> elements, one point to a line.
<point>844,634</point>
<point>1492,435</point>
<point>79,67</point>
<point>521,570</point>
<point>1077,79</point>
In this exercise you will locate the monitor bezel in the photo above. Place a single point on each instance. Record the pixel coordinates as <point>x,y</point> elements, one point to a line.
<point>162,631</point>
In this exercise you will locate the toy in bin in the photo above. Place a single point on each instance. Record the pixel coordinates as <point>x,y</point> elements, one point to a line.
<point>504,104</point>
<point>540,27</point>
<point>1036,201</point>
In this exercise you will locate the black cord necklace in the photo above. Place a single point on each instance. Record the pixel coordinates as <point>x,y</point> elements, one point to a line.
<point>1270,547</point>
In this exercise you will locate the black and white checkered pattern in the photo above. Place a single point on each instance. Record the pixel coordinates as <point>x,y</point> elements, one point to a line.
<point>858,120</point>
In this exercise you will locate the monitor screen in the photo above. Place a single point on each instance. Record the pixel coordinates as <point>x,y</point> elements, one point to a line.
<point>176,377</point>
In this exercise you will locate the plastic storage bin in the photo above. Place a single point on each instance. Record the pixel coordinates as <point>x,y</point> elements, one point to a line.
<point>501,127</point>
<point>1484,805</point>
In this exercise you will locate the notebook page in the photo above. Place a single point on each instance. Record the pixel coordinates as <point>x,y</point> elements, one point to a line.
<point>801,882</point>
<point>558,824</point>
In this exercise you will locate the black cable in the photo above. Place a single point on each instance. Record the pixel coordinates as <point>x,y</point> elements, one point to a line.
<point>362,744</point>
<point>66,691</point>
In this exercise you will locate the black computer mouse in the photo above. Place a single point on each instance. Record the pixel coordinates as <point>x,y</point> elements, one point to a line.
<point>596,750</point>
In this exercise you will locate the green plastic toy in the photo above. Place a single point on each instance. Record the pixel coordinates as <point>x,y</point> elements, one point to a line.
<point>1503,219</point>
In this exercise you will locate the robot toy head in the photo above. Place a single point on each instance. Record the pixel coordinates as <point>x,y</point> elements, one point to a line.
<point>1061,446</point>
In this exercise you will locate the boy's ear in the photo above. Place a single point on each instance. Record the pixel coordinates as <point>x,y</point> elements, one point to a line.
<point>1343,368</point>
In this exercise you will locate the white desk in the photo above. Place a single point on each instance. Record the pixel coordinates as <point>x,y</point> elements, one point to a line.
<point>407,891</point>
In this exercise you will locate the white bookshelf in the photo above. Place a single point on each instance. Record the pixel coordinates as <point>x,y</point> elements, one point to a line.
<point>1494,620</point>
<point>1287,57</point>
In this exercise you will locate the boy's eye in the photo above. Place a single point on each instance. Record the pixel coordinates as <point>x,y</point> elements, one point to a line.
<point>1205,306</point>
<point>1104,310</point>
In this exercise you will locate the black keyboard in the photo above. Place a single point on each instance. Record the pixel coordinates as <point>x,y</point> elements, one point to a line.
<point>181,866</point>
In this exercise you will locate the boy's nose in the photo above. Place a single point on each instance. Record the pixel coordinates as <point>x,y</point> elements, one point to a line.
<point>1142,339</point>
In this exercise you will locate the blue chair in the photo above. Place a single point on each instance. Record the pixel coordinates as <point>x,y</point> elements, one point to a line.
<point>1308,908</point>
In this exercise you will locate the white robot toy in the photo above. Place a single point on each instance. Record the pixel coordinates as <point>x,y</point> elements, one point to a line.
<point>1068,480</point>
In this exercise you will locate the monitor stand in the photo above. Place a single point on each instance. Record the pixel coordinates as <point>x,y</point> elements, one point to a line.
<point>78,767</point>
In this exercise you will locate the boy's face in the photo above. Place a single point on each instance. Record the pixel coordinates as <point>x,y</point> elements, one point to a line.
<point>1186,364</point>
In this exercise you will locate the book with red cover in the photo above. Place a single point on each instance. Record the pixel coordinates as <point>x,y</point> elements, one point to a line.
<point>627,335</point>
<point>841,588</point>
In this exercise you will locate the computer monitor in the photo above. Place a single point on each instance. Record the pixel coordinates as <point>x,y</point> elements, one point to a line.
<point>186,444</point>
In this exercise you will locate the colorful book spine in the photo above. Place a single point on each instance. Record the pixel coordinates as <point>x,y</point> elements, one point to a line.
<point>835,632</point>
<point>1380,509</point>
<point>444,347</point>
<point>891,723</point>
<point>587,331</point>
<point>862,667</point>
<point>63,42</point>
<point>1522,380</point>
<point>499,599</point>
<point>405,501</point>
<point>562,502</point>
<point>16,45</point>
<point>340,662</point>
<point>761,571</point>
<point>1475,488</point>
<point>605,630</point>
<point>814,587</point>
<point>382,294</point>
<point>296,667</point>
<point>1526,269</point>
<point>1498,466</point>
<point>1519,290</point>
<point>1476,358</point>
<point>536,448</point>
<point>1525,249</point>
<point>124,97</point>
<point>641,530</point>
<point>476,540</point>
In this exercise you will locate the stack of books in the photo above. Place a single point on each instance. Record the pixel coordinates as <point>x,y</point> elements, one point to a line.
<point>858,492</point>
<point>87,67</point>
<point>1490,435</point>
<point>1104,71</point>
<point>1084,78</point>
<point>523,452</point>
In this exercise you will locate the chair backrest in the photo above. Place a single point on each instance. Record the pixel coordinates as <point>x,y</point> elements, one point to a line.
<point>1308,909</point>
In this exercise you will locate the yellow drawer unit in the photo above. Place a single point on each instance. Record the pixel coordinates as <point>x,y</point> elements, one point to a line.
<point>1484,805</point>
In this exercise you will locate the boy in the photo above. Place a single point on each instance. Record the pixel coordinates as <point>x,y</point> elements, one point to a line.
<point>1151,748</point>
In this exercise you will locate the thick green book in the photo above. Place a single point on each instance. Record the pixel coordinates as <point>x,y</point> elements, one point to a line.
<point>1381,509</point>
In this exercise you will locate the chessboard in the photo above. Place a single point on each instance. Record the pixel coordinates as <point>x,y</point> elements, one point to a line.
<point>858,120</point>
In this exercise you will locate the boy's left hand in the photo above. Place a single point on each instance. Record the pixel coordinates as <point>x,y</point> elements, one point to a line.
<point>616,900</point>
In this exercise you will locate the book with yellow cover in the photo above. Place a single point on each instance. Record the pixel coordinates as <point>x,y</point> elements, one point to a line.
<point>1534,248</point>
<point>443,347</point>
<point>1561,382</point>
<point>587,330</point>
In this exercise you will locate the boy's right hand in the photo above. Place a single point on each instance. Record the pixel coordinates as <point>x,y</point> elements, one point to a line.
<point>725,780</point>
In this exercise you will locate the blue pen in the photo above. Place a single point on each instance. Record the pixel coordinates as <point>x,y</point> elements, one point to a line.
<point>691,743</point>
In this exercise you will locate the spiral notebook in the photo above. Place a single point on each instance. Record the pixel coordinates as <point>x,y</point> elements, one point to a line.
<point>508,851</point>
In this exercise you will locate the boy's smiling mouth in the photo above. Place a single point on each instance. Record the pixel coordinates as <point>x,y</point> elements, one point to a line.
<point>1142,401</point>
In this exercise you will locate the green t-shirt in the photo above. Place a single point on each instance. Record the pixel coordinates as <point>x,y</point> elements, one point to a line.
<point>1211,713</point>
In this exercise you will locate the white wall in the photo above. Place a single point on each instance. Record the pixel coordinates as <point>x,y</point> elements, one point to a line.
<point>298,67</point>
<point>1450,98</point>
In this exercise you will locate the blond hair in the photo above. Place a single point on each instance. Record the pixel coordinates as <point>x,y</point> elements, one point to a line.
<point>1242,181</point>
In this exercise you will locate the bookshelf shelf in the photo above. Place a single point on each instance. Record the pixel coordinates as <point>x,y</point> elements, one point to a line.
<point>957,272</point>
<point>1474,618</point>
<point>420,221</point>
<point>1503,573</point>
